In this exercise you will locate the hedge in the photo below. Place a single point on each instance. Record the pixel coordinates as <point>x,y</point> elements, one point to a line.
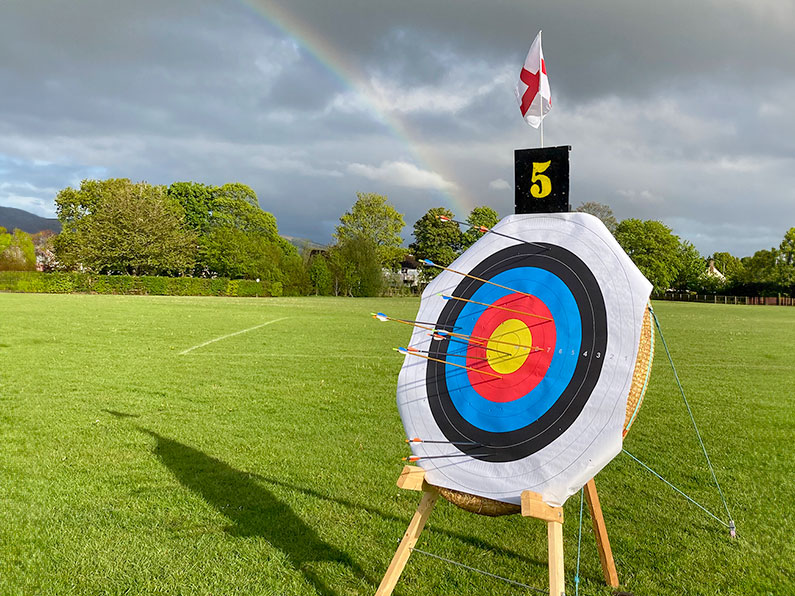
<point>66,283</point>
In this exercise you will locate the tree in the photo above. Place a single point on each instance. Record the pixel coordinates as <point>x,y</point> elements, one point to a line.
<point>787,248</point>
<point>479,217</point>
<point>436,240</point>
<point>690,268</point>
<point>295,277</point>
<point>729,265</point>
<point>74,205</point>
<point>320,275</point>
<point>760,268</point>
<point>654,249</point>
<point>234,213</point>
<point>17,252</point>
<point>116,226</point>
<point>237,239</point>
<point>355,267</point>
<point>374,219</point>
<point>601,211</point>
<point>230,252</point>
<point>196,200</point>
<point>237,191</point>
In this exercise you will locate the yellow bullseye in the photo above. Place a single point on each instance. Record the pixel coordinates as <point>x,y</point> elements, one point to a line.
<point>503,357</point>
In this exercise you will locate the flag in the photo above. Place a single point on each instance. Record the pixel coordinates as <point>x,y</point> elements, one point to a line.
<point>532,90</point>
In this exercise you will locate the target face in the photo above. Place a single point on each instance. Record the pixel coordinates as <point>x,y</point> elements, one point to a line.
<point>535,350</point>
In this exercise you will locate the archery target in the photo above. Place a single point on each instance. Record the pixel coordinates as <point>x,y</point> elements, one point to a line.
<point>527,381</point>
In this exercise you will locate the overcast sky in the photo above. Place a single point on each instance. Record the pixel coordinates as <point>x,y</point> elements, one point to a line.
<point>677,111</point>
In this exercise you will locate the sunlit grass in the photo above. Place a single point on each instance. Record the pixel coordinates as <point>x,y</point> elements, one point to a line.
<point>265,462</point>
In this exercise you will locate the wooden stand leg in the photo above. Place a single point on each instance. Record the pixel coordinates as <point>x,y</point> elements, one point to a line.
<point>534,506</point>
<point>429,496</point>
<point>413,478</point>
<point>557,586</point>
<point>600,531</point>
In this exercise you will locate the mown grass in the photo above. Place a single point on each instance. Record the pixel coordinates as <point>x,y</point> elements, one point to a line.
<point>265,463</point>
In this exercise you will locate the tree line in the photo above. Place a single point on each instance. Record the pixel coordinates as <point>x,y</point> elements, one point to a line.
<point>119,227</point>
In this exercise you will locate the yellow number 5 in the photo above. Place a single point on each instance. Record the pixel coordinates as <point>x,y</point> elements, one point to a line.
<point>542,185</point>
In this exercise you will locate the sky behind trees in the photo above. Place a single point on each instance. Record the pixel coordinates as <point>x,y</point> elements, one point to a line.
<point>676,111</point>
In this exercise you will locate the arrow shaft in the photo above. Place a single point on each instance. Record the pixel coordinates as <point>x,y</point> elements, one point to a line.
<point>483,372</point>
<point>518,312</point>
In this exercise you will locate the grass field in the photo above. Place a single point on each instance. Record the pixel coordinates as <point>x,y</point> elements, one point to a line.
<point>265,462</point>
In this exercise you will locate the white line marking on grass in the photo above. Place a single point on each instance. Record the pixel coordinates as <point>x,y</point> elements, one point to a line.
<point>201,345</point>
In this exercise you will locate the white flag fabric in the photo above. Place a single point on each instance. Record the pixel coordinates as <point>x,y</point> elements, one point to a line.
<point>532,90</point>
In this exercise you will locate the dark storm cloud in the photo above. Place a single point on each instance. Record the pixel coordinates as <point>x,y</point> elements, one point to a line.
<point>677,111</point>
<point>615,46</point>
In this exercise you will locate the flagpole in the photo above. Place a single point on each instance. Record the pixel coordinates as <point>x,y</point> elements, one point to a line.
<point>540,95</point>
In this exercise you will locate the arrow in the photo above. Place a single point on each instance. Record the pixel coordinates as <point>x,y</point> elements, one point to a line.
<point>413,353</point>
<point>518,312</point>
<point>484,229</point>
<point>485,281</point>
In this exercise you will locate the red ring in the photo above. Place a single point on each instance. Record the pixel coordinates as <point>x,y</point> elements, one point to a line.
<point>519,383</point>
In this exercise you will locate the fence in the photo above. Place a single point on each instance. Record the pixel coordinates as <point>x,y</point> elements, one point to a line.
<point>715,299</point>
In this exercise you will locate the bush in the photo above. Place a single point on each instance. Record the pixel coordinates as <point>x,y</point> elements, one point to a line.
<point>65,283</point>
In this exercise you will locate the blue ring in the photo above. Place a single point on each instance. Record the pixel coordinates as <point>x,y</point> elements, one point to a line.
<point>508,416</point>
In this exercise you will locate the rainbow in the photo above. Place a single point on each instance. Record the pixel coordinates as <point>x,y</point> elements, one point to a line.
<point>349,75</point>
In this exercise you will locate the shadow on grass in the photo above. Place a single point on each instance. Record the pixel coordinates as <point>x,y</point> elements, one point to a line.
<point>116,414</point>
<point>470,540</point>
<point>253,510</point>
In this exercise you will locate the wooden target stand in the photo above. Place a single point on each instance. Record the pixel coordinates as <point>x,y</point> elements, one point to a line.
<point>413,478</point>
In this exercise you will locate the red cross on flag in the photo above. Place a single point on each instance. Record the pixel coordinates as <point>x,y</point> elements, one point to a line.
<point>532,90</point>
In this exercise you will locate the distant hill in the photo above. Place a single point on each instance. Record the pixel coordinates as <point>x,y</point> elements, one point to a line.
<point>11,218</point>
<point>301,243</point>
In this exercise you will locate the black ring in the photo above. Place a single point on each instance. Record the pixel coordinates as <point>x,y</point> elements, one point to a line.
<point>522,442</point>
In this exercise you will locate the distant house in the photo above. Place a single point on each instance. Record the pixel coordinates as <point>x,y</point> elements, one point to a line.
<point>713,272</point>
<point>406,276</point>
<point>409,271</point>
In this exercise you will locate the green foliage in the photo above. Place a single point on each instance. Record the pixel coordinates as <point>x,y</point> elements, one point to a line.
<point>17,252</point>
<point>5,239</point>
<point>235,191</point>
<point>116,226</point>
<point>230,252</point>
<point>760,268</point>
<point>235,213</point>
<point>197,202</point>
<point>356,268</point>
<point>729,265</point>
<point>294,275</point>
<point>787,248</point>
<point>690,268</point>
<point>74,205</point>
<point>479,217</point>
<point>786,259</point>
<point>603,212</point>
<point>88,283</point>
<point>241,240</point>
<point>436,240</point>
<point>234,205</point>
<point>654,249</point>
<point>277,289</point>
<point>320,275</point>
<point>373,219</point>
